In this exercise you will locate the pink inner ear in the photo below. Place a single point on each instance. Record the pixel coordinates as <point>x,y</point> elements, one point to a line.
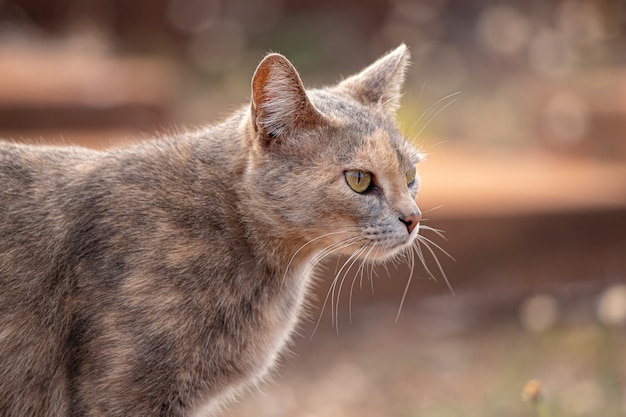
<point>279,101</point>
<point>258,83</point>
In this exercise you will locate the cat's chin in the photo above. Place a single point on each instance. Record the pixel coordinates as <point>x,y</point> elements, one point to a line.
<point>387,252</point>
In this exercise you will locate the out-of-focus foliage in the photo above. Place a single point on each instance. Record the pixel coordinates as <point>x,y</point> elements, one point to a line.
<point>531,73</point>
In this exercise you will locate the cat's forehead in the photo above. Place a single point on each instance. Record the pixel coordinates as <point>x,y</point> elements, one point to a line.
<point>368,134</point>
<point>344,108</point>
<point>381,148</point>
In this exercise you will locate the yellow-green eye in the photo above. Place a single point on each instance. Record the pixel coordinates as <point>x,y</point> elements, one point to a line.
<point>359,181</point>
<point>410,175</point>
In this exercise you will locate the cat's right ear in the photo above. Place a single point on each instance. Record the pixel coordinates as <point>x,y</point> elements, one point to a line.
<point>279,102</point>
<point>380,84</point>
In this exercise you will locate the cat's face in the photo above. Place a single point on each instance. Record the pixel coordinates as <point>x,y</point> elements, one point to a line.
<point>365,180</point>
<point>339,174</point>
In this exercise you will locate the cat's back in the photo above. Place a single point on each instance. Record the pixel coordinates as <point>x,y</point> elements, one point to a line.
<point>31,177</point>
<point>32,315</point>
<point>56,203</point>
<point>78,228</point>
<point>31,204</point>
<point>30,173</point>
<point>68,215</point>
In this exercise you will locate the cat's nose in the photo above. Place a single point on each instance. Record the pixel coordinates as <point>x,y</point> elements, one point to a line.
<point>411,220</point>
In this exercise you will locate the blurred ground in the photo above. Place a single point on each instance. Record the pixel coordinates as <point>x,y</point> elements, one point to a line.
<point>448,356</point>
<point>521,110</point>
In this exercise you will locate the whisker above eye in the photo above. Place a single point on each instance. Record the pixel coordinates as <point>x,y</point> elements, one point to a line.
<point>434,106</point>
<point>448,104</point>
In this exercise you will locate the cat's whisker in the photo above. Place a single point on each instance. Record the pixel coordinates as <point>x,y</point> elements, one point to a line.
<point>373,272</point>
<point>371,266</point>
<point>355,257</point>
<point>434,106</point>
<point>361,269</point>
<point>328,252</point>
<point>419,96</point>
<point>382,106</point>
<point>417,103</point>
<point>304,246</point>
<point>431,210</point>
<point>418,250</point>
<point>334,284</point>
<point>425,226</point>
<point>411,256</point>
<point>335,305</point>
<point>337,246</point>
<point>362,253</point>
<point>425,240</point>
<point>434,255</point>
<point>438,232</point>
<point>448,104</point>
<point>318,258</point>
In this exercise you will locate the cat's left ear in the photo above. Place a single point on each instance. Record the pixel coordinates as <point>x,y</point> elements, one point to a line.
<point>279,102</point>
<point>381,83</point>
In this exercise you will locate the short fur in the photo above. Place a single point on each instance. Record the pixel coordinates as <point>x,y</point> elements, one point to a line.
<point>163,278</point>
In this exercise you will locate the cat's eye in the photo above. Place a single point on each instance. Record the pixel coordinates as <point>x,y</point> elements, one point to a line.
<point>410,176</point>
<point>359,181</point>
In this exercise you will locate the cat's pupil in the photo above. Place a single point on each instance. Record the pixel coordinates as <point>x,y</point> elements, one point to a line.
<point>359,181</point>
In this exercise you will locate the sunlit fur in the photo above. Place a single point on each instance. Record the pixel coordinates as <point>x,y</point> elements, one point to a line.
<point>167,277</point>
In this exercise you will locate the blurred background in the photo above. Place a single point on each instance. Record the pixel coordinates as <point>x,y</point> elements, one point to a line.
<point>521,108</point>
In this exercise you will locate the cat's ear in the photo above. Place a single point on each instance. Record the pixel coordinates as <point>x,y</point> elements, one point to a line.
<point>381,83</point>
<point>279,101</point>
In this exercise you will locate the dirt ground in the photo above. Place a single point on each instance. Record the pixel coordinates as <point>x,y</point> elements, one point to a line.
<point>448,355</point>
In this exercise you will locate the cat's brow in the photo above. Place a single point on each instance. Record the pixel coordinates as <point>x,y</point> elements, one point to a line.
<point>406,154</point>
<point>416,157</point>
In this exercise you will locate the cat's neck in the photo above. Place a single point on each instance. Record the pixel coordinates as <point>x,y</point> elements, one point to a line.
<point>275,247</point>
<point>282,253</point>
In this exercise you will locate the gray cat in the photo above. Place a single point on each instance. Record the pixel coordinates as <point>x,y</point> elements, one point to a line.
<point>164,278</point>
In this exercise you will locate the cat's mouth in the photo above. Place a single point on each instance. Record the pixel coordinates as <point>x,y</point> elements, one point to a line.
<point>389,248</point>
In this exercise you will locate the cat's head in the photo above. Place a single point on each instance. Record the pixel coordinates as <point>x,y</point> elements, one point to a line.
<point>328,167</point>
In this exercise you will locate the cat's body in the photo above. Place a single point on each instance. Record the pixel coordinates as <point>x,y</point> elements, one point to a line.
<point>163,278</point>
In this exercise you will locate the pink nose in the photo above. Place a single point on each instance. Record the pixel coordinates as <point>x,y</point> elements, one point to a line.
<point>412,220</point>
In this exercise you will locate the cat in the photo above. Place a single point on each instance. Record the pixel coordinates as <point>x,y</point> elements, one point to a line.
<point>165,277</point>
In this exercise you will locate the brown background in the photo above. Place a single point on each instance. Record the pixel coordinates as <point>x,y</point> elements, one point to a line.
<point>526,174</point>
